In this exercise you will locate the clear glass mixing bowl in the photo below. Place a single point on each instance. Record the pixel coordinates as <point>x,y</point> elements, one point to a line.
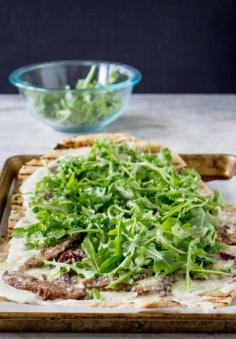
<point>74,95</point>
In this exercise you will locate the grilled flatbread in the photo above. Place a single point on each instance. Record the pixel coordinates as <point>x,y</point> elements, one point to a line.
<point>25,279</point>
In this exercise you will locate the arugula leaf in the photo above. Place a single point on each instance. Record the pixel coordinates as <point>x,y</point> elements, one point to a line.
<point>189,264</point>
<point>92,258</point>
<point>123,279</point>
<point>95,293</point>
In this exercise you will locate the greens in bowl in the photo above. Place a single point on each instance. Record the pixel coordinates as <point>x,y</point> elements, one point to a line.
<point>76,96</point>
<point>79,108</point>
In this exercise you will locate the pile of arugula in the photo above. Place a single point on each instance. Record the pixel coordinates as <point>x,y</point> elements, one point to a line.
<point>135,211</point>
<point>72,108</point>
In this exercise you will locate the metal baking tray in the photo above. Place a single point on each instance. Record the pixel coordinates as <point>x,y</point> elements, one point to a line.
<point>14,318</point>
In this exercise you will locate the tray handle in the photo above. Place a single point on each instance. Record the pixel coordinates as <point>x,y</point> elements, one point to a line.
<point>212,166</point>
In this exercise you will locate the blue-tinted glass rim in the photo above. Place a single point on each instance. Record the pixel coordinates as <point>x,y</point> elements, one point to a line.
<point>16,76</point>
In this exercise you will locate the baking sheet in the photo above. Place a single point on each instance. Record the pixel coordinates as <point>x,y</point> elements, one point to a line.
<point>228,190</point>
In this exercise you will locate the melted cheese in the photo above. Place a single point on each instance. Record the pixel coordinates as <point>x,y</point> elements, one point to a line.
<point>228,218</point>
<point>198,289</point>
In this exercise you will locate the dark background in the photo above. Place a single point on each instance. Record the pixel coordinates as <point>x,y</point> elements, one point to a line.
<point>180,46</point>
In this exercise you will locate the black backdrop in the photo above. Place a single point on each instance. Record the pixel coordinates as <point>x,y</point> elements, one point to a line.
<point>180,46</point>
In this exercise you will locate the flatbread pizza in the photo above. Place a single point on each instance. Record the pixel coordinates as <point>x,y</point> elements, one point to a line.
<point>113,220</point>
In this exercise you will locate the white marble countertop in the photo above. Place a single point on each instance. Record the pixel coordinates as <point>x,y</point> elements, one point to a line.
<point>185,123</point>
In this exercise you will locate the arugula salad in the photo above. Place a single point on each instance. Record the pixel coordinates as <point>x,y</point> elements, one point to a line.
<point>134,213</point>
<point>79,108</point>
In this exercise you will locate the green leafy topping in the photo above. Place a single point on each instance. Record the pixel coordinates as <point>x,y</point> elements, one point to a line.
<point>79,108</point>
<point>135,211</point>
<point>95,294</point>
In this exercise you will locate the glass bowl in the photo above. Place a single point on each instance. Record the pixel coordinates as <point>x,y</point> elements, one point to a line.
<point>74,95</point>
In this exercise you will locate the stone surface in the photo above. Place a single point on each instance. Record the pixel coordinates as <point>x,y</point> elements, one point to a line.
<point>185,123</point>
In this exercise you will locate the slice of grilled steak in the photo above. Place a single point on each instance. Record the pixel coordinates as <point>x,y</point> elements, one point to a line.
<point>144,275</point>
<point>100,282</point>
<point>225,236</point>
<point>32,262</point>
<point>46,289</point>
<point>226,256</point>
<point>51,291</point>
<point>50,253</point>
<point>21,281</point>
<point>71,256</point>
<point>103,282</point>
<point>54,251</point>
<point>159,284</point>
